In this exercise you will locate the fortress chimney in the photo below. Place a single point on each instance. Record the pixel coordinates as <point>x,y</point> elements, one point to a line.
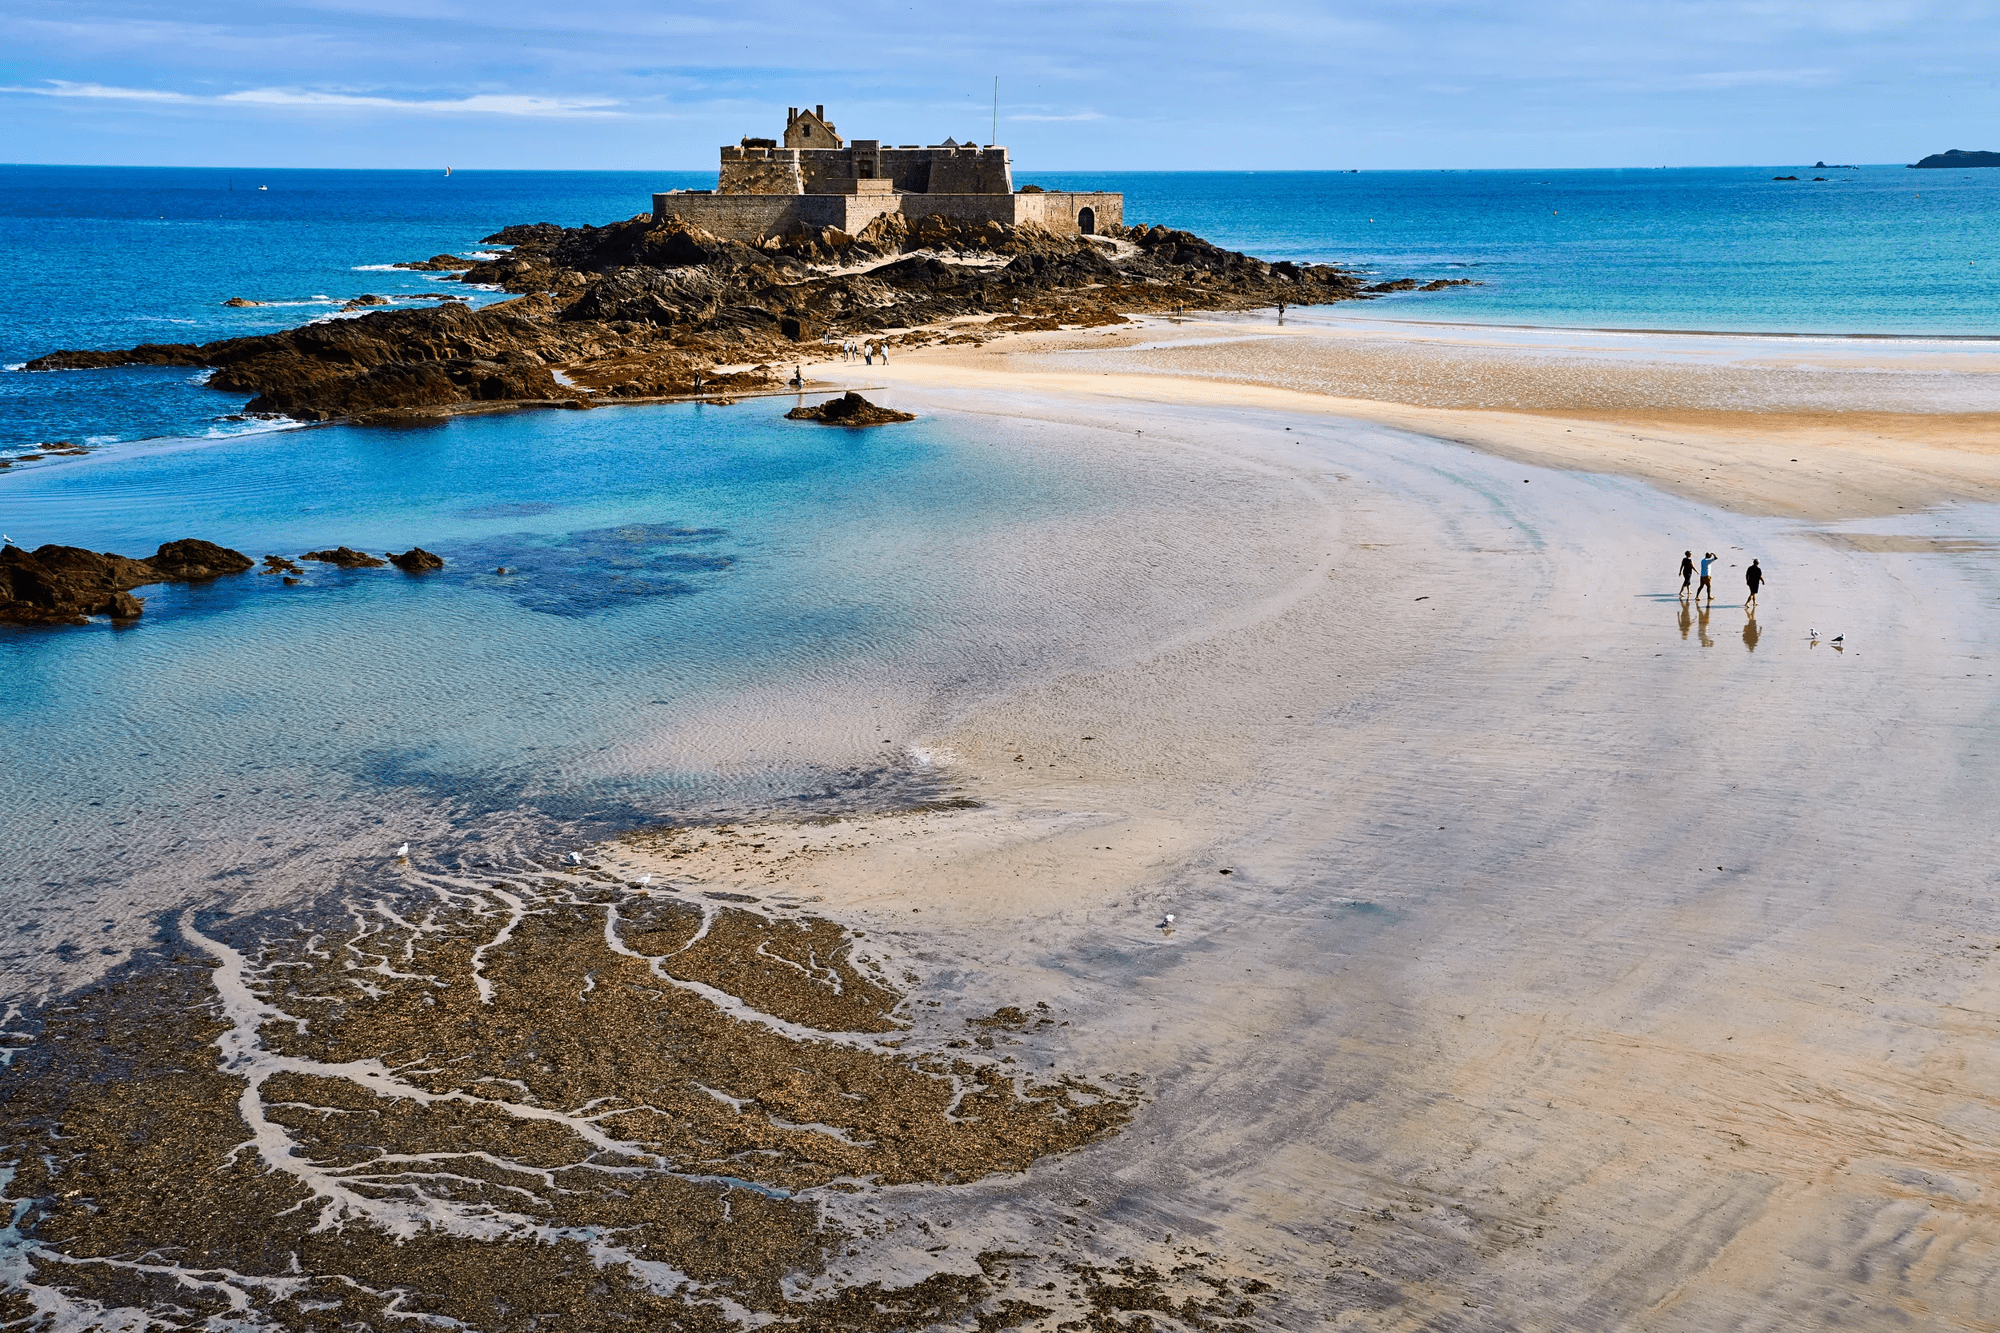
<point>820,111</point>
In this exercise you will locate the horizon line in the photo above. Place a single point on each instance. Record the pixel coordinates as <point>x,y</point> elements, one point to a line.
<point>1123,171</point>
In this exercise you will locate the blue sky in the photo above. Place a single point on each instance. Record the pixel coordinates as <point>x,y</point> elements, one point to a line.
<point>1085,84</point>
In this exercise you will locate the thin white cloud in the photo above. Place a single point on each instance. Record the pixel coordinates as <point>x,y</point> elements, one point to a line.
<point>489,104</point>
<point>63,88</point>
<point>496,104</point>
<point>1757,78</point>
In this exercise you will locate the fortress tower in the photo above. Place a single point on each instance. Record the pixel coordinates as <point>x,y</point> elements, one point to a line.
<point>815,178</point>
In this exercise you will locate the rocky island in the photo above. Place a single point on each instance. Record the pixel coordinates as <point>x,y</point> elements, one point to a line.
<point>654,309</point>
<point>1959,157</point>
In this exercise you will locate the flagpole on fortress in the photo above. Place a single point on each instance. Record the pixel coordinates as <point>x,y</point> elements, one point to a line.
<point>996,112</point>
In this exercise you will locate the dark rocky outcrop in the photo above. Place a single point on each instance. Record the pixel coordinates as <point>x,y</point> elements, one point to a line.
<point>62,585</point>
<point>647,308</point>
<point>1960,157</point>
<point>240,302</point>
<point>849,409</point>
<point>416,560</point>
<point>192,560</point>
<point>346,557</point>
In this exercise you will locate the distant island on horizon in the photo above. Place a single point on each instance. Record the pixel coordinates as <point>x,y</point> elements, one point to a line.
<point>1959,157</point>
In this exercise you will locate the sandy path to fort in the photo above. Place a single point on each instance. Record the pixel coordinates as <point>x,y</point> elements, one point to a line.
<point>1582,962</point>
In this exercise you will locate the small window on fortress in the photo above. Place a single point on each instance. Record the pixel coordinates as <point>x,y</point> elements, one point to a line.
<point>809,131</point>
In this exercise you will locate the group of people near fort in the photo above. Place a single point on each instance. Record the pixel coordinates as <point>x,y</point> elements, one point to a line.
<point>1753,576</point>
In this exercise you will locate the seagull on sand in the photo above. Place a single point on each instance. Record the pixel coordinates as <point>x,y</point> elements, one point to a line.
<point>1168,923</point>
<point>403,852</point>
<point>576,858</point>
<point>1838,638</point>
<point>644,880</point>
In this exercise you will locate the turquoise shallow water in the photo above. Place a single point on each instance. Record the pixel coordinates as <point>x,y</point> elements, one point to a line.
<point>245,735</point>
<point>660,561</point>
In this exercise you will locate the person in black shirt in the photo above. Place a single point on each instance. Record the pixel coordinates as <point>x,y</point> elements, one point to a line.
<point>1687,571</point>
<point>1754,576</point>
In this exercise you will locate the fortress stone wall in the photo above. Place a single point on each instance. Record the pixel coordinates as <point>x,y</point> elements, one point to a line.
<point>816,178</point>
<point>752,217</point>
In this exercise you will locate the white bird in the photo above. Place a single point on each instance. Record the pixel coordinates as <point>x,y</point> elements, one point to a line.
<point>576,858</point>
<point>1168,922</point>
<point>1812,634</point>
<point>645,880</point>
<point>403,852</point>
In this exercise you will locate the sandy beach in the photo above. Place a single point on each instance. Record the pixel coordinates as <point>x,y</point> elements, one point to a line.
<point>1362,894</point>
<point>1545,953</point>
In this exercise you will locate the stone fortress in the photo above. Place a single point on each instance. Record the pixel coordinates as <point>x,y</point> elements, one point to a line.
<point>817,179</point>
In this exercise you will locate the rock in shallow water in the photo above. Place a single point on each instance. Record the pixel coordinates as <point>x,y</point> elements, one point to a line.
<point>192,559</point>
<point>64,585</point>
<point>850,409</point>
<point>416,560</point>
<point>346,557</point>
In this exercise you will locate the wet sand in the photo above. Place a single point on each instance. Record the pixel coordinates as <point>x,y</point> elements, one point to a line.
<point>1545,953</point>
<point>1583,961</point>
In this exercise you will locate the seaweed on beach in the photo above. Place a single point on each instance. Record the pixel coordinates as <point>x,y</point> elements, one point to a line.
<point>507,1102</point>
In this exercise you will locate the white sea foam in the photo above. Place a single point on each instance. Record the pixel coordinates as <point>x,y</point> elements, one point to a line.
<point>376,268</point>
<point>228,430</point>
<point>17,365</point>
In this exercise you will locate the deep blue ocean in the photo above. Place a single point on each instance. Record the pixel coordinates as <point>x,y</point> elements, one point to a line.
<point>662,559</point>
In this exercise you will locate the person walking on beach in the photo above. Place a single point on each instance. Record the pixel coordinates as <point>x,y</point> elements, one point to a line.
<point>1754,576</point>
<point>868,353</point>
<point>1687,571</point>
<point>1707,558</point>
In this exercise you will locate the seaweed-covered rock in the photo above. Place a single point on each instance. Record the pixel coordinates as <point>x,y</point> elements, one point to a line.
<point>346,557</point>
<point>850,409</point>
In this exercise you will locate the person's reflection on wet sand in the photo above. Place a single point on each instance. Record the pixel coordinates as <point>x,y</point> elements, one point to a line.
<point>1750,633</point>
<point>1687,621</point>
<point>1702,629</point>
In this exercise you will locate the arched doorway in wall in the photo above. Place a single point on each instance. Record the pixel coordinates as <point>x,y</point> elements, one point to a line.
<point>1086,221</point>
